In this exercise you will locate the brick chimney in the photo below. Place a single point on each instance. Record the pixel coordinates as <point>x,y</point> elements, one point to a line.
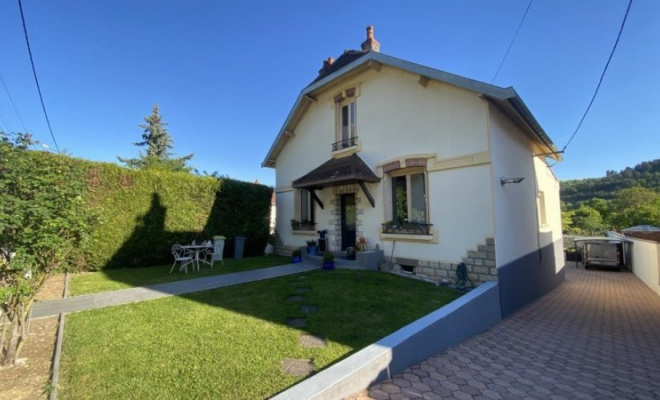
<point>326,65</point>
<point>371,44</point>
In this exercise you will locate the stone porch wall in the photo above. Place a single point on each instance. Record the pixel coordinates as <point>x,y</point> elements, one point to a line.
<point>334,224</point>
<point>480,264</point>
<point>280,248</point>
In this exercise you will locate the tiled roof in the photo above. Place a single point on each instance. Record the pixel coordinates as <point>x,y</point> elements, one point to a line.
<point>348,57</point>
<point>337,171</point>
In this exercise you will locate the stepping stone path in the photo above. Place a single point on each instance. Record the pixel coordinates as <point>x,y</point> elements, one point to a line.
<point>297,367</point>
<point>309,309</point>
<point>302,367</point>
<point>311,341</point>
<point>296,322</point>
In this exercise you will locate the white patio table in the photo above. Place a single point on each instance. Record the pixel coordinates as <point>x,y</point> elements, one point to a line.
<point>197,248</point>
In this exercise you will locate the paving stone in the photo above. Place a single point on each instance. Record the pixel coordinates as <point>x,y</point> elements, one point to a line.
<point>296,322</point>
<point>594,336</point>
<point>297,367</point>
<point>311,341</point>
<point>303,289</point>
<point>309,309</point>
<point>295,298</point>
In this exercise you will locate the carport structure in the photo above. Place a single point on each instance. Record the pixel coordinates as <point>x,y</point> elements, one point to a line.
<point>625,243</point>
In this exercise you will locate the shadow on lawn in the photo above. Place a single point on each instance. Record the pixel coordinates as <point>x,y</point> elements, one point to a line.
<point>349,308</point>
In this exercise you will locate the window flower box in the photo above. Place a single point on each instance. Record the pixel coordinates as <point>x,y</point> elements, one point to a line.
<point>407,228</point>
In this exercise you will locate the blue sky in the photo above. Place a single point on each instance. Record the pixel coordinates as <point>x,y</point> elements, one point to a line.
<point>227,73</point>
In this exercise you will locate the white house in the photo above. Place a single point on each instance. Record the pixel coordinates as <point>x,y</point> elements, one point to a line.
<point>423,163</point>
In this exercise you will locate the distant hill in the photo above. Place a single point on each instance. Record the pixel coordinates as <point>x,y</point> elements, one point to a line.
<point>646,174</point>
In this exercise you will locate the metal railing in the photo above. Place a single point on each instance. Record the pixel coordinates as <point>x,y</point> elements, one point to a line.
<point>407,228</point>
<point>346,143</point>
<point>303,226</point>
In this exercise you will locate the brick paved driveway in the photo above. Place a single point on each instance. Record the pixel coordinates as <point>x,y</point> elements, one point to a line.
<point>597,336</point>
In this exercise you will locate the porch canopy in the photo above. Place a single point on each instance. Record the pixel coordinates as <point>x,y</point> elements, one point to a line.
<point>335,172</point>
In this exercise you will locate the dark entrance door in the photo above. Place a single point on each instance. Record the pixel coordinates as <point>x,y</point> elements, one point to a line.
<point>347,221</point>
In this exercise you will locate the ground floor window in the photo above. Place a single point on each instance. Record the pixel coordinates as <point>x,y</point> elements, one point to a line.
<point>409,200</point>
<point>304,211</point>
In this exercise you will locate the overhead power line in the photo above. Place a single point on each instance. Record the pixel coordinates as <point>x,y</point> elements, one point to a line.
<point>36,79</point>
<point>600,81</point>
<point>4,121</point>
<point>11,100</point>
<point>515,35</point>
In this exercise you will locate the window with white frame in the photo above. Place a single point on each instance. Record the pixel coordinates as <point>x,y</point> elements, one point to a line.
<point>304,211</point>
<point>543,216</point>
<point>347,120</point>
<point>409,199</point>
<point>346,130</point>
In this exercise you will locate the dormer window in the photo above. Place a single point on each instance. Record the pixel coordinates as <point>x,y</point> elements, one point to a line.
<point>346,132</point>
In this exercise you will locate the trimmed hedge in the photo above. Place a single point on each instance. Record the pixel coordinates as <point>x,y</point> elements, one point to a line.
<point>140,214</point>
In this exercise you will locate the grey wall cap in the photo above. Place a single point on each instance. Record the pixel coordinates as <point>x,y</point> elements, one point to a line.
<point>390,354</point>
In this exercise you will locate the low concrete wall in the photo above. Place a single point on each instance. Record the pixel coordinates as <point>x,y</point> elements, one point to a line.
<point>645,260</point>
<point>528,278</point>
<point>472,313</point>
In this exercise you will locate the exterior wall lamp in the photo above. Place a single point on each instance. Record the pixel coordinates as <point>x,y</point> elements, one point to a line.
<point>504,181</point>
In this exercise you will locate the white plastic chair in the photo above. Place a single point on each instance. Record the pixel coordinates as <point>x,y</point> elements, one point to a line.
<point>181,256</point>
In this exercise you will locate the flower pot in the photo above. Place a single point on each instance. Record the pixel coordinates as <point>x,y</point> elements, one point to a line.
<point>296,259</point>
<point>312,250</point>
<point>329,265</point>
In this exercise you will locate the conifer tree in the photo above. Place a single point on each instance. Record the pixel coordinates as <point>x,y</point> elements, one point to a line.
<point>158,143</point>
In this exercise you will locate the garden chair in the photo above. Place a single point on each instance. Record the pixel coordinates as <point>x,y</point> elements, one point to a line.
<point>208,254</point>
<point>181,256</point>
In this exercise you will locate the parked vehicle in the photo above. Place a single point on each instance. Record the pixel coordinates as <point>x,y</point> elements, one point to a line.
<point>602,254</point>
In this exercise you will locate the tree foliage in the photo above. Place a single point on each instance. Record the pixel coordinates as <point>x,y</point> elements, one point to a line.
<point>158,142</point>
<point>617,201</point>
<point>42,220</point>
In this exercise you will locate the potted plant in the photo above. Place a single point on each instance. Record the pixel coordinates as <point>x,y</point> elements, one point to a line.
<point>322,233</point>
<point>295,224</point>
<point>329,261</point>
<point>350,253</point>
<point>297,256</point>
<point>312,248</point>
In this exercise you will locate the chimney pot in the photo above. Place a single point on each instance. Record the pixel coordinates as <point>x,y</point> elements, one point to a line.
<point>371,44</point>
<point>326,64</point>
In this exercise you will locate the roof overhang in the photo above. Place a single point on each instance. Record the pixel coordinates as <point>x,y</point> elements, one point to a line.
<point>336,172</point>
<point>506,100</point>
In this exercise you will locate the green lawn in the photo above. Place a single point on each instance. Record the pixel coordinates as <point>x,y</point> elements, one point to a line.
<point>93,282</point>
<point>229,343</point>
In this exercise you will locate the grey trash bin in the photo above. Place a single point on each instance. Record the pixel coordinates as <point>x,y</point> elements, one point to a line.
<point>239,245</point>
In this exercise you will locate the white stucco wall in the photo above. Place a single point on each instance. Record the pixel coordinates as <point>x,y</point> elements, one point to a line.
<point>398,117</point>
<point>645,260</point>
<point>517,213</point>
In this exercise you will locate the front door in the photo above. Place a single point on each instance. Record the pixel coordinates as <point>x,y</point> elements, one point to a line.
<point>347,221</point>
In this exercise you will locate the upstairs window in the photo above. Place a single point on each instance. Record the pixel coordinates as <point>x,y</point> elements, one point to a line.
<point>347,118</point>
<point>346,126</point>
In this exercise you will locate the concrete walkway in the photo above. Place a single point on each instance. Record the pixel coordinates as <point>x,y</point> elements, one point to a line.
<point>125,296</point>
<point>597,336</point>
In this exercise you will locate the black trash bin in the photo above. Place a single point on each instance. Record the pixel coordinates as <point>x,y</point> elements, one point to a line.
<point>239,246</point>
